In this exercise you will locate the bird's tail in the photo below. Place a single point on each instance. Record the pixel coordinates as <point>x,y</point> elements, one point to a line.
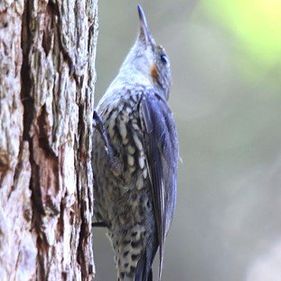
<point>144,266</point>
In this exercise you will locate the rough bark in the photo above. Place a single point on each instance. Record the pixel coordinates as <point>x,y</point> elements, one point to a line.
<point>47,79</point>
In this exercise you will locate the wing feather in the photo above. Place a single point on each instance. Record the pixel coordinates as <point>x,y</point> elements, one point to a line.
<point>161,146</point>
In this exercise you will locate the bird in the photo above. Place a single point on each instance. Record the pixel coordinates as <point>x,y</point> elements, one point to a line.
<point>135,158</point>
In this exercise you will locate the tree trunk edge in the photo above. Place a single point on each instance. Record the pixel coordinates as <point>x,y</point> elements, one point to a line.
<point>47,83</point>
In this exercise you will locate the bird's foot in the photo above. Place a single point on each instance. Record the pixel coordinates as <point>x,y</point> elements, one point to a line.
<point>113,160</point>
<point>100,224</point>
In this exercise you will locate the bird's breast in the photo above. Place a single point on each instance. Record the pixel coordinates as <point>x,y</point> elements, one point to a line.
<point>122,121</point>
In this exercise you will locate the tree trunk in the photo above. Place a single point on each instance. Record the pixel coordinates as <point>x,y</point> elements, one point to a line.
<point>47,79</point>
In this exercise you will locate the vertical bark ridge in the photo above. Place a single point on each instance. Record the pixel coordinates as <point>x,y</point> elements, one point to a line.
<point>45,142</point>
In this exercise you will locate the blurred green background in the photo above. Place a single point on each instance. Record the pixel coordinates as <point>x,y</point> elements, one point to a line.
<point>226,97</point>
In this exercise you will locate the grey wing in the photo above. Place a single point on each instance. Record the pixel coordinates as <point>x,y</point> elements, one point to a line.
<point>161,146</point>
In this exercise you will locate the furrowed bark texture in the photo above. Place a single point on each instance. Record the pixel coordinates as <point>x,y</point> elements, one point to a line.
<point>47,79</point>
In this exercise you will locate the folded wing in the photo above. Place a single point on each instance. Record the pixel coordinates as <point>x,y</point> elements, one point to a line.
<point>161,144</point>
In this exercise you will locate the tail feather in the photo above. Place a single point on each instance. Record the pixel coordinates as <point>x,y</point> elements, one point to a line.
<point>141,270</point>
<point>144,266</point>
<point>150,275</point>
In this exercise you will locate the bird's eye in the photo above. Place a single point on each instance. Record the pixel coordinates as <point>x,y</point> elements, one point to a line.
<point>164,58</point>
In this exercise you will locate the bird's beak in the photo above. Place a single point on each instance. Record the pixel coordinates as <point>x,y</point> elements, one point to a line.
<point>145,35</point>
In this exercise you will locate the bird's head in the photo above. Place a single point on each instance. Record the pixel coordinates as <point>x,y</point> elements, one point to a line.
<point>148,59</point>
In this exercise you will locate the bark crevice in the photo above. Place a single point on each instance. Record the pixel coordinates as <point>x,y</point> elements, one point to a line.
<point>26,99</point>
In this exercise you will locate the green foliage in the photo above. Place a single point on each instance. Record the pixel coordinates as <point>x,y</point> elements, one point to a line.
<point>256,24</point>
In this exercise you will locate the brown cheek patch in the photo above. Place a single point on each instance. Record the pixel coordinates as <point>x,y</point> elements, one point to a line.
<point>154,73</point>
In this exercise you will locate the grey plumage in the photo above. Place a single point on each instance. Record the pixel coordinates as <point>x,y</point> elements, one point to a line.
<point>135,155</point>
